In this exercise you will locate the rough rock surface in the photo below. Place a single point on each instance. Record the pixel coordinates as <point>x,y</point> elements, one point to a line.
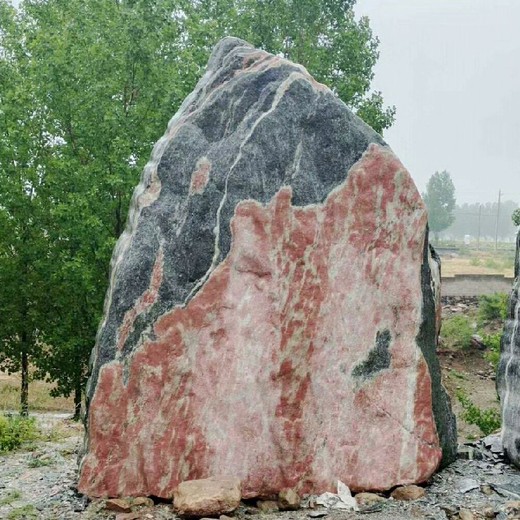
<point>508,376</point>
<point>272,305</point>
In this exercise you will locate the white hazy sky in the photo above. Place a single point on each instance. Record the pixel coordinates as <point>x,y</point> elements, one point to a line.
<point>452,69</point>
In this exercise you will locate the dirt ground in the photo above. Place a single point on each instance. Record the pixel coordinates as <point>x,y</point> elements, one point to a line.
<point>478,263</point>
<point>469,371</point>
<point>40,399</point>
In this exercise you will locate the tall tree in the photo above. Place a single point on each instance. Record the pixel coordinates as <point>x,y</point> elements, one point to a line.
<point>440,201</point>
<point>97,82</point>
<point>109,75</point>
<point>23,242</point>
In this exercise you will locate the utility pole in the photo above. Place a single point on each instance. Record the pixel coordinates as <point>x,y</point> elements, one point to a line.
<point>479,222</point>
<point>498,217</point>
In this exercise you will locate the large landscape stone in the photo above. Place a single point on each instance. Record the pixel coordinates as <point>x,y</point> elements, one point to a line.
<point>508,377</point>
<point>273,305</point>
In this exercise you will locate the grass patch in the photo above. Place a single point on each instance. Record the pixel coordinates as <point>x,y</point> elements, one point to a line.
<point>479,262</point>
<point>456,332</point>
<point>487,420</point>
<point>11,497</point>
<point>27,512</point>
<point>458,375</point>
<point>39,396</point>
<point>40,462</point>
<point>16,431</point>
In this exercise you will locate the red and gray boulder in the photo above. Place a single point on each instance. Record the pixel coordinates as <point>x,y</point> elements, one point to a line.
<point>508,377</point>
<point>271,314</point>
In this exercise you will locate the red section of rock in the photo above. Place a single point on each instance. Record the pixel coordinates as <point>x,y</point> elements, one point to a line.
<point>257,376</point>
<point>200,177</point>
<point>118,505</point>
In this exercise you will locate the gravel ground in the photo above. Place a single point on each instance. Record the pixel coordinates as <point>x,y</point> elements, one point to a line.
<point>40,484</point>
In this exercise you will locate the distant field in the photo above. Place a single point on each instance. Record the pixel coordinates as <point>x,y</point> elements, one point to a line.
<point>39,396</point>
<point>474,262</point>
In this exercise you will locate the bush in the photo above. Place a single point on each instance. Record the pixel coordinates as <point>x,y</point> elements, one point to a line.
<point>516,217</point>
<point>492,342</point>
<point>491,263</point>
<point>487,420</point>
<point>15,430</point>
<point>457,331</point>
<point>492,307</point>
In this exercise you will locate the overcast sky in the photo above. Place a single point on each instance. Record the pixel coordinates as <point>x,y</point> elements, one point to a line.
<point>452,69</point>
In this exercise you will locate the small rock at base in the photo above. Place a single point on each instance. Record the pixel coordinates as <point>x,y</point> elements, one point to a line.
<point>225,517</point>
<point>267,506</point>
<point>408,493</point>
<point>289,500</point>
<point>142,502</point>
<point>465,514</point>
<point>486,489</point>
<point>489,512</point>
<point>368,499</point>
<point>118,505</point>
<point>205,497</point>
<point>128,516</point>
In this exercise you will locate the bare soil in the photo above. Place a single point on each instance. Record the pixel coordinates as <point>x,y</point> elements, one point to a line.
<point>478,263</point>
<point>468,371</point>
<point>39,396</point>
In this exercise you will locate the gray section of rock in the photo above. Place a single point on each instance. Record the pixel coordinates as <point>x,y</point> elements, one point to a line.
<point>427,340</point>
<point>271,127</point>
<point>508,375</point>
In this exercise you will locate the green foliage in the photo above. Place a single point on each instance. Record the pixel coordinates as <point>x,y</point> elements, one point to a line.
<point>457,331</point>
<point>440,201</point>
<point>487,420</point>
<point>27,512</point>
<point>11,497</point>
<point>515,217</point>
<point>492,307</point>
<point>493,342</point>
<point>15,431</point>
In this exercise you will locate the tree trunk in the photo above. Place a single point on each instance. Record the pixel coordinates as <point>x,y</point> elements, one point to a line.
<point>24,394</point>
<point>77,402</point>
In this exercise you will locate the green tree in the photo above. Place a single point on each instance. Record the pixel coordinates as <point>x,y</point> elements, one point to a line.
<point>440,201</point>
<point>96,83</point>
<point>109,75</point>
<point>23,243</point>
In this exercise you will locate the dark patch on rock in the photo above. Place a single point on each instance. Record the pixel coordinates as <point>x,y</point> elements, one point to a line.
<point>378,358</point>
